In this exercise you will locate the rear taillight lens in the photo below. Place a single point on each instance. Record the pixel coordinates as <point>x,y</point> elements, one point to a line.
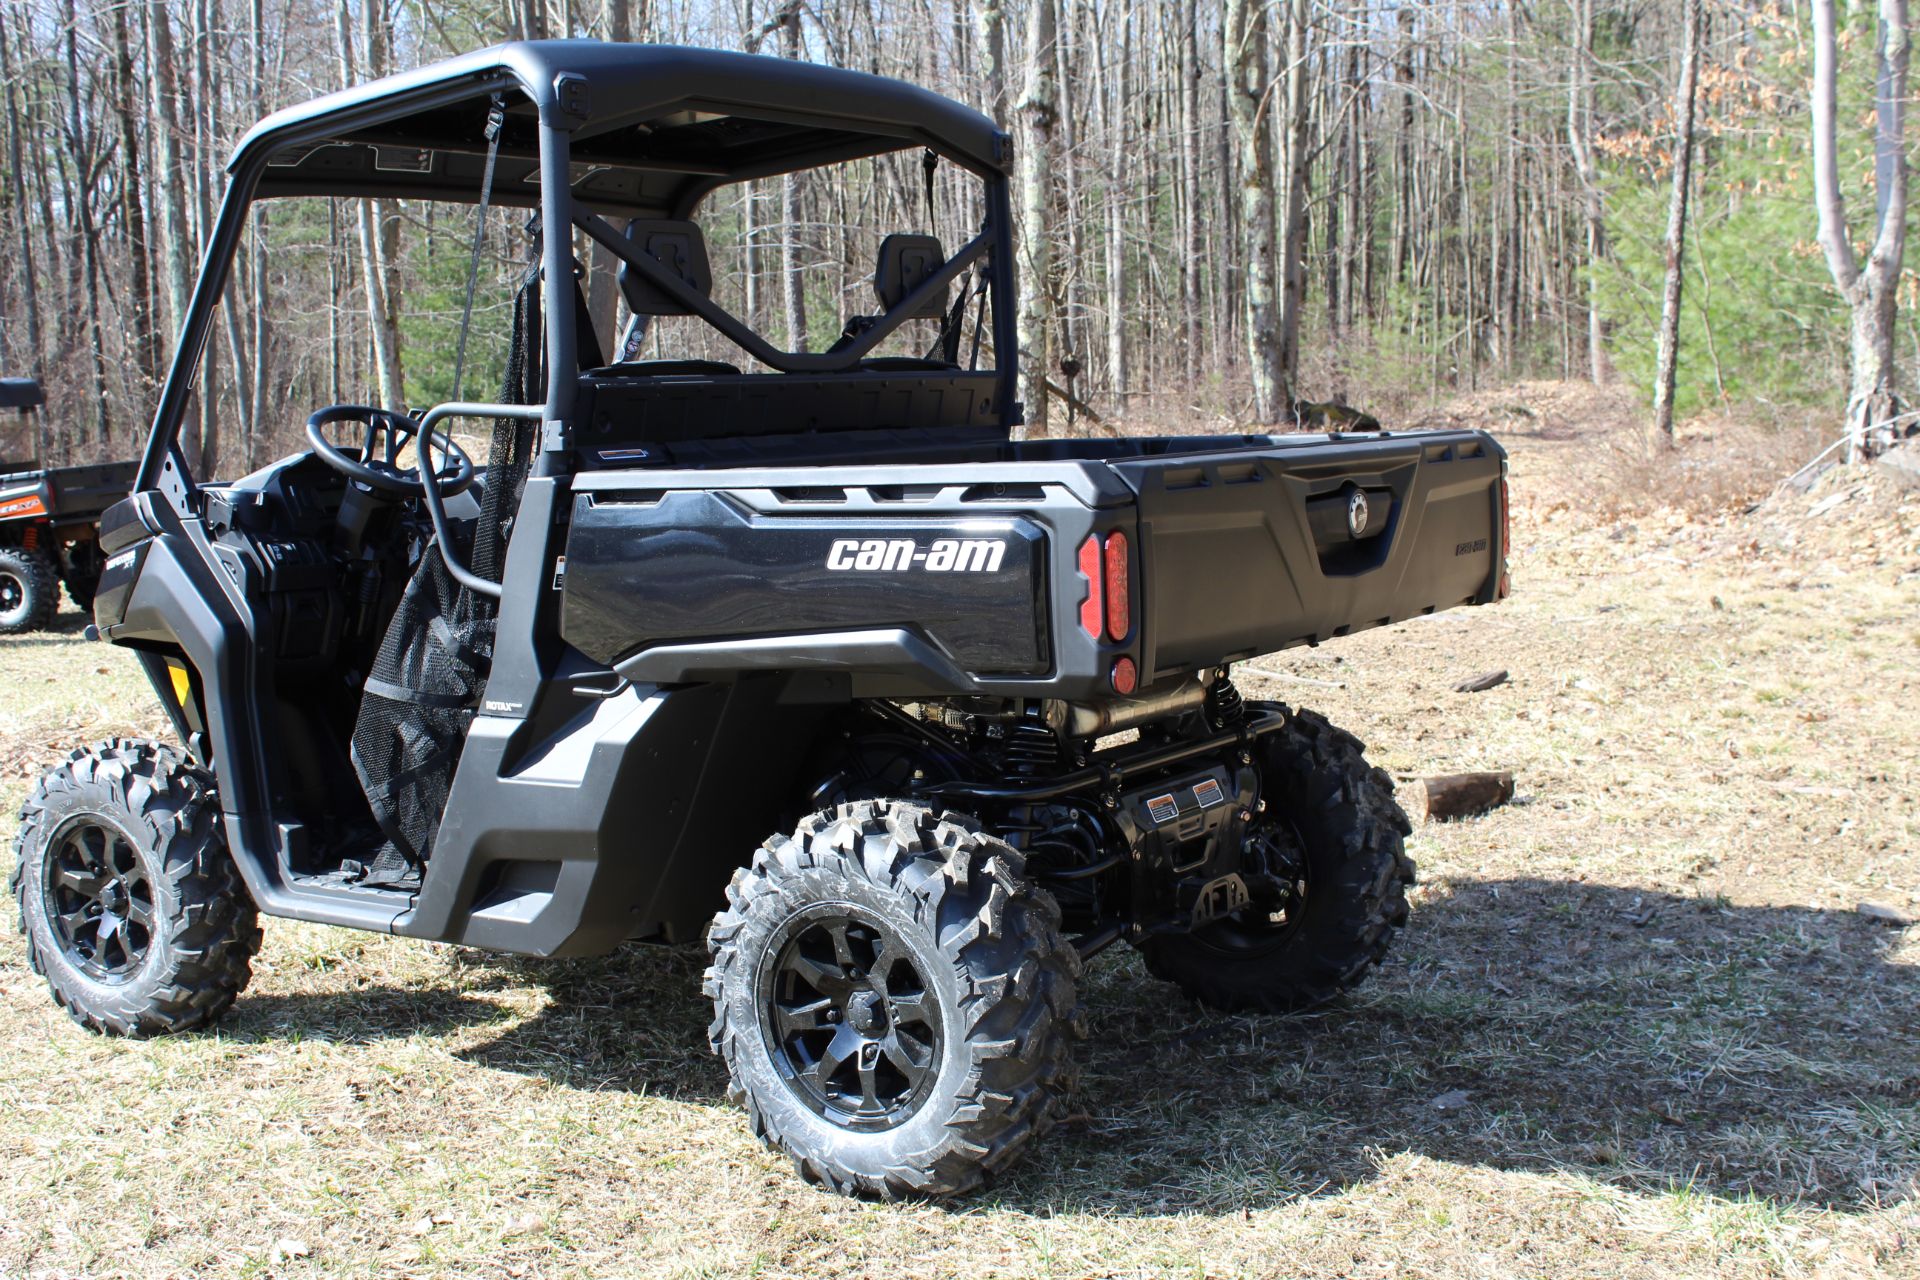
<point>1125,676</point>
<point>1119,594</point>
<point>1092,612</point>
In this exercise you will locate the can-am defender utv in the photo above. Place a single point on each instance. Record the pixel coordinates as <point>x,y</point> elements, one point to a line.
<point>977,688</point>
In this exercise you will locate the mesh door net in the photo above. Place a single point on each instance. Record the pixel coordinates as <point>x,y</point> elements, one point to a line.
<point>418,700</point>
<point>427,679</point>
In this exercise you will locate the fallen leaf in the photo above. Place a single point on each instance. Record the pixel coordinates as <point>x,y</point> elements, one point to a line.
<point>1451,1100</point>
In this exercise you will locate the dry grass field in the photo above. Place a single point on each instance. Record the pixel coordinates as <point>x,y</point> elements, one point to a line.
<point>1637,1027</point>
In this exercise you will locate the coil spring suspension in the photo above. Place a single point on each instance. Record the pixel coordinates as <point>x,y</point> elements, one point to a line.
<point>1032,750</point>
<point>1224,707</point>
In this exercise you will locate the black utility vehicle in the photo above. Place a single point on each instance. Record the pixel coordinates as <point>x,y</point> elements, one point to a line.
<point>977,689</point>
<point>49,517</point>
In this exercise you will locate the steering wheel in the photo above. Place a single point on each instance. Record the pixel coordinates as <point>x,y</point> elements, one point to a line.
<point>384,474</point>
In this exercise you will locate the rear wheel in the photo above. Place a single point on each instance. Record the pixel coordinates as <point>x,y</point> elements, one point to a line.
<point>80,573</point>
<point>134,911</point>
<point>893,1000</point>
<point>1326,866</point>
<point>29,590</point>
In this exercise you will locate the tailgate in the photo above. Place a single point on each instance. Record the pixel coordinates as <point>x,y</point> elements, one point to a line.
<point>1251,550</point>
<point>86,491</point>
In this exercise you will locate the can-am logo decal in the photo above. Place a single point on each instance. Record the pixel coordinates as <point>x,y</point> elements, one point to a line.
<point>898,555</point>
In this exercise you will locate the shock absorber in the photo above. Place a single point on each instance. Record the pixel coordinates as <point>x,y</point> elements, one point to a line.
<point>1224,706</point>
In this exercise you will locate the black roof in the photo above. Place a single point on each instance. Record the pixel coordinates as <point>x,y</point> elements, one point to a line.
<point>20,393</point>
<point>654,127</point>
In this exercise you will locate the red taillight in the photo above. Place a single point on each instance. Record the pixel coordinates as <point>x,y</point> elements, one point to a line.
<point>1091,611</point>
<point>1125,675</point>
<point>1119,597</point>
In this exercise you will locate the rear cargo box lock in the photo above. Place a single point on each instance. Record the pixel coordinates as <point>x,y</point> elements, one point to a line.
<point>1357,512</point>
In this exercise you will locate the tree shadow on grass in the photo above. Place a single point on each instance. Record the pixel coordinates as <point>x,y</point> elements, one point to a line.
<point>1639,1039</point>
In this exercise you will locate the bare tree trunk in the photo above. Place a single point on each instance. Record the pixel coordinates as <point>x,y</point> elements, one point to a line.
<point>1683,104</point>
<point>1190,192</point>
<point>1872,402</point>
<point>793,283</point>
<point>992,26</point>
<point>259,304</point>
<point>1244,60</point>
<point>373,261</point>
<point>1580,141</point>
<point>1037,112</point>
<point>1293,219</point>
<point>603,294</point>
<point>18,197</point>
<point>170,175</point>
<point>139,320</point>
<point>87,245</point>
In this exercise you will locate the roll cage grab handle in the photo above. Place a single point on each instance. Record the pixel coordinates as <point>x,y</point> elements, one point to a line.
<point>430,480</point>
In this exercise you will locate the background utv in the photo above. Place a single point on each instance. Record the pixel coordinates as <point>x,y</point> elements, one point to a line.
<point>977,688</point>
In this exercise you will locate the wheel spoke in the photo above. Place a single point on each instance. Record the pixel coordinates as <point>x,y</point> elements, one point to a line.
<point>908,1054</point>
<point>86,883</point>
<point>869,1082</point>
<point>912,1009</point>
<point>797,1019</point>
<point>842,944</point>
<point>77,848</point>
<point>75,924</point>
<point>830,980</point>
<point>844,1045</point>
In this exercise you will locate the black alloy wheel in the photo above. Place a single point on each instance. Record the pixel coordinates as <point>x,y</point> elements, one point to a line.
<point>850,1020</point>
<point>99,899</point>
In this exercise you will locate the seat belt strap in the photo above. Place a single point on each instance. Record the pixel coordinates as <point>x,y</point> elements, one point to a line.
<point>496,119</point>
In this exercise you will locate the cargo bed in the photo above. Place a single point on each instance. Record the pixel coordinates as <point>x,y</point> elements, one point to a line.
<point>1236,546</point>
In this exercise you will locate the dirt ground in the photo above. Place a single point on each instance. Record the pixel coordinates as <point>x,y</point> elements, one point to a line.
<point>1638,1025</point>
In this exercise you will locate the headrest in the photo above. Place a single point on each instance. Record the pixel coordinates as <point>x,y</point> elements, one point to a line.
<point>905,261</point>
<point>681,249</point>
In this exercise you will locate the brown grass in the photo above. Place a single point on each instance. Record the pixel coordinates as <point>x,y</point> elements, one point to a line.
<point>1684,1051</point>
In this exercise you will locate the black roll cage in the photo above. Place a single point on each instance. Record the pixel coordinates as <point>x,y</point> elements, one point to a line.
<point>559,100</point>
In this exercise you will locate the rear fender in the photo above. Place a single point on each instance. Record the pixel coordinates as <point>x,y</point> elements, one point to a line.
<point>627,821</point>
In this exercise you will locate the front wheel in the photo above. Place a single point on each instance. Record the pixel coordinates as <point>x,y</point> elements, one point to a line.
<point>893,1000</point>
<point>29,591</point>
<point>133,909</point>
<point>1326,863</point>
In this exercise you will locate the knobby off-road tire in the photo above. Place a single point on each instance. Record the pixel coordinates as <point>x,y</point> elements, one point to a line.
<point>133,909</point>
<point>879,919</point>
<point>29,591</point>
<point>1336,824</point>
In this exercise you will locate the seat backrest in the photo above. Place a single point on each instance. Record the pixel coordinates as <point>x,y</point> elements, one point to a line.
<point>905,261</point>
<point>680,248</point>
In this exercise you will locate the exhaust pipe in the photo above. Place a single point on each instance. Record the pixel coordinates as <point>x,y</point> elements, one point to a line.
<point>1112,715</point>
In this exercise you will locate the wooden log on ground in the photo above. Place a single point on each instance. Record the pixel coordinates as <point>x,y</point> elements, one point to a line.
<point>1482,682</point>
<point>1463,795</point>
